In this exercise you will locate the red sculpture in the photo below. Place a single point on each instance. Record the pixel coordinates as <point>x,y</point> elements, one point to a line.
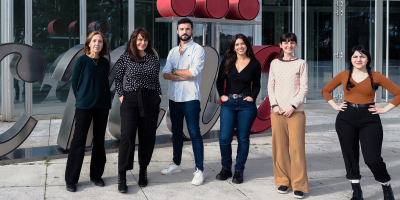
<point>211,8</point>
<point>57,27</point>
<point>175,8</point>
<point>97,26</point>
<point>265,55</point>
<point>243,9</point>
<point>73,28</point>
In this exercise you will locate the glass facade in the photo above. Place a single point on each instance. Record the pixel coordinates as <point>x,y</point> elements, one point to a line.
<point>52,36</point>
<point>329,29</point>
<point>19,37</point>
<point>276,20</point>
<point>319,47</point>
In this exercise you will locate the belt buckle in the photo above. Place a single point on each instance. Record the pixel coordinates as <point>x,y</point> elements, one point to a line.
<point>235,96</point>
<point>357,105</point>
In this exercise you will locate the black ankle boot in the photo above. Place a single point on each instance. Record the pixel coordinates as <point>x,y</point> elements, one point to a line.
<point>237,177</point>
<point>142,178</point>
<point>357,192</point>
<point>122,187</point>
<point>387,192</point>
<point>224,174</point>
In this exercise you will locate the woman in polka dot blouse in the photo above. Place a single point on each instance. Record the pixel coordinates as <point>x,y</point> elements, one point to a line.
<point>287,88</point>
<point>140,103</point>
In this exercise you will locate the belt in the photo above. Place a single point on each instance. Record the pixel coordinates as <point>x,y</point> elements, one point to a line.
<point>237,96</point>
<point>142,103</point>
<point>360,105</point>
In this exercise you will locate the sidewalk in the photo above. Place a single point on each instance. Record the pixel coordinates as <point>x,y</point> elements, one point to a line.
<point>45,179</point>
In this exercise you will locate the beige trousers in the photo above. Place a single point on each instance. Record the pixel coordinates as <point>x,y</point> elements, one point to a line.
<point>289,133</point>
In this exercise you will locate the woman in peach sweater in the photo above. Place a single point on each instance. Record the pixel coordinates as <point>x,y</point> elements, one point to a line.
<point>358,120</point>
<point>287,87</point>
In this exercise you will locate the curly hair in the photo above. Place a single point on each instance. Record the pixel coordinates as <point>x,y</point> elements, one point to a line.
<point>104,50</point>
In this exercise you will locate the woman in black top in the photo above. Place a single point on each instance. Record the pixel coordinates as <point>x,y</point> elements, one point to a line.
<point>140,104</point>
<point>242,73</point>
<point>93,101</point>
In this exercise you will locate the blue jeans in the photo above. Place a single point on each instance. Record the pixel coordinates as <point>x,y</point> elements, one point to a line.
<point>190,110</point>
<point>243,113</point>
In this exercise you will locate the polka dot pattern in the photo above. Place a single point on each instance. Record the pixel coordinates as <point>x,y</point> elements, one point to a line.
<point>288,83</point>
<point>138,75</point>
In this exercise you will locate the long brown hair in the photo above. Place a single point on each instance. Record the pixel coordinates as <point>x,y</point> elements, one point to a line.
<point>104,50</point>
<point>132,49</point>
<point>286,37</point>
<point>230,55</point>
<point>362,49</point>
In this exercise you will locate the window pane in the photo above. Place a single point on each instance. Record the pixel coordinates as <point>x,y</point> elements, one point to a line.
<point>19,37</point>
<point>111,18</point>
<point>276,20</point>
<point>52,37</point>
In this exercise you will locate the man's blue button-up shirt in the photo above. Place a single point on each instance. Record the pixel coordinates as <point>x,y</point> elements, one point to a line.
<point>192,58</point>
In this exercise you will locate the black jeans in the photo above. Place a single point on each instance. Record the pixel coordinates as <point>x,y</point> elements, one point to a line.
<point>132,121</point>
<point>356,126</point>
<point>83,119</point>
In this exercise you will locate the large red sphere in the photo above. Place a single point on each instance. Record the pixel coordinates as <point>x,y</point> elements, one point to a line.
<point>175,8</point>
<point>211,8</point>
<point>243,9</point>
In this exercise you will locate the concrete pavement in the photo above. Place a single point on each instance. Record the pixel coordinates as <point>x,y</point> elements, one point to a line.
<point>45,179</point>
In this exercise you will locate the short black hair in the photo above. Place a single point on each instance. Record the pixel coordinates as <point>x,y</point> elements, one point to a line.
<point>184,21</point>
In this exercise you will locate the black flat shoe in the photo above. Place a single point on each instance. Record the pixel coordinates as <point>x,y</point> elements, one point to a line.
<point>143,178</point>
<point>122,187</point>
<point>224,174</point>
<point>283,189</point>
<point>71,187</point>
<point>298,194</point>
<point>237,177</point>
<point>357,192</point>
<point>98,182</point>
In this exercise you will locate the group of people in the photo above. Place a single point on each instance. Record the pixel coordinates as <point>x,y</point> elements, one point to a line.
<point>238,85</point>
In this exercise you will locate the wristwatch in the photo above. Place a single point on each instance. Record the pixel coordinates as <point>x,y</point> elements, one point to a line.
<point>293,106</point>
<point>173,70</point>
<point>272,107</point>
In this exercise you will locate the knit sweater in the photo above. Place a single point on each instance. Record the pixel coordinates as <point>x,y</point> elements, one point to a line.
<point>288,83</point>
<point>90,83</point>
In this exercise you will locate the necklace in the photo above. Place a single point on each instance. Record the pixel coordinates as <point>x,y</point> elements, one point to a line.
<point>94,61</point>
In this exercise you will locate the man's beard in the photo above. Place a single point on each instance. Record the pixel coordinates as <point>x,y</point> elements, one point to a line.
<point>187,38</point>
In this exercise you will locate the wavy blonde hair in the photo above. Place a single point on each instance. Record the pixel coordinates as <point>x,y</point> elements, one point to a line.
<point>104,50</point>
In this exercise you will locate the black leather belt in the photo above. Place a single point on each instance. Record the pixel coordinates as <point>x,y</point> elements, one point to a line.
<point>237,96</point>
<point>360,105</point>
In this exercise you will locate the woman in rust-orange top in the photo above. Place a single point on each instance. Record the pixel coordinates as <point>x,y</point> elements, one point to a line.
<point>358,120</point>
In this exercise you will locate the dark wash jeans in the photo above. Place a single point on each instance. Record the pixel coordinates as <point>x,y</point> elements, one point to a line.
<point>83,119</point>
<point>243,113</point>
<point>190,110</point>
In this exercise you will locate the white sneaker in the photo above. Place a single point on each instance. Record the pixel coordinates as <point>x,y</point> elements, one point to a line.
<point>171,169</point>
<point>198,178</point>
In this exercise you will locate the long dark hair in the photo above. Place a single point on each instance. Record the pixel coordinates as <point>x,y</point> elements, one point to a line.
<point>286,37</point>
<point>230,55</point>
<point>132,49</point>
<point>363,50</point>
